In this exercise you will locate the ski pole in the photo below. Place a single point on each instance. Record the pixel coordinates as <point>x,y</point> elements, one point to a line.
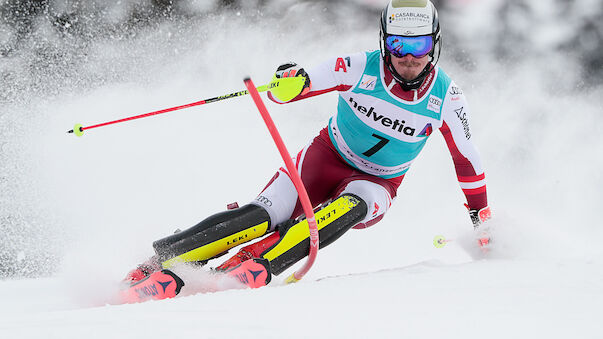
<point>299,186</point>
<point>78,129</point>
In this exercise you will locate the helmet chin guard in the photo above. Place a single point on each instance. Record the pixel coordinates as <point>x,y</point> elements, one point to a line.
<point>410,18</point>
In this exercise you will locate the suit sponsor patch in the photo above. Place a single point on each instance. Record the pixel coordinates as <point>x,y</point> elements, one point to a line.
<point>368,82</point>
<point>434,103</point>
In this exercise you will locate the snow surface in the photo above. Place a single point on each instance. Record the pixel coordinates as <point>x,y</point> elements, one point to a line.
<point>109,194</point>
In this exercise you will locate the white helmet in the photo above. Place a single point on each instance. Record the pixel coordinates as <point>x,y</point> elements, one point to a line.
<point>410,27</point>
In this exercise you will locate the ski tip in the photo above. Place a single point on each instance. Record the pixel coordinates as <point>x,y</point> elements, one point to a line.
<point>160,285</point>
<point>247,79</point>
<point>252,273</point>
<point>439,241</point>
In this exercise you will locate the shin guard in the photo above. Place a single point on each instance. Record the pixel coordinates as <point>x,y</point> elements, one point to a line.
<point>333,221</point>
<point>213,236</point>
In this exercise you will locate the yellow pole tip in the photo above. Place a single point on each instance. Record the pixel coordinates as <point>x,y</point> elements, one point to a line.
<point>292,279</point>
<point>439,241</point>
<point>78,130</point>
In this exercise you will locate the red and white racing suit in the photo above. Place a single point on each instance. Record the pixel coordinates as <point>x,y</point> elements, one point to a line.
<point>376,133</point>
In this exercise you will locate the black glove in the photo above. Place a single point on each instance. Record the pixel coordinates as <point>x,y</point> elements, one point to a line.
<point>291,69</point>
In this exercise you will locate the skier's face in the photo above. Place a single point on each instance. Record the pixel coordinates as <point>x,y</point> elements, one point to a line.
<point>409,66</point>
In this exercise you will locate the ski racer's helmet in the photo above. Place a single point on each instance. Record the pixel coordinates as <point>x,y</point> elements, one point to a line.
<point>410,27</point>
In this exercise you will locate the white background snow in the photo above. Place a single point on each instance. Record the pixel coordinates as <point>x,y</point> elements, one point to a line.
<point>109,194</point>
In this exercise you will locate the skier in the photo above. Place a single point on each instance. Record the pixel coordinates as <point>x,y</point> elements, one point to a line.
<point>390,101</point>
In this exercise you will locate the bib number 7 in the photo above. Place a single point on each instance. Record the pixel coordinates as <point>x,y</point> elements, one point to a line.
<point>382,142</point>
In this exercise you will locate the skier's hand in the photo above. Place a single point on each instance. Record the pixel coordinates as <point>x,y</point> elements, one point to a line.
<point>481,227</point>
<point>288,90</point>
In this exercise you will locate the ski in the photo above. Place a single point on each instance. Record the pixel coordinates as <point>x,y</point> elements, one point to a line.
<point>165,284</point>
<point>159,285</point>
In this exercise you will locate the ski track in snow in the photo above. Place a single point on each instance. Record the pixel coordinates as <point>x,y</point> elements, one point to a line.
<point>115,190</point>
<point>500,298</point>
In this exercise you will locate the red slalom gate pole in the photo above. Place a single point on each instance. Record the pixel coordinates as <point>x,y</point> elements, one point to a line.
<point>299,186</point>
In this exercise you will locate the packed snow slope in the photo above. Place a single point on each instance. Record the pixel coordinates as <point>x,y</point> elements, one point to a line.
<point>103,198</point>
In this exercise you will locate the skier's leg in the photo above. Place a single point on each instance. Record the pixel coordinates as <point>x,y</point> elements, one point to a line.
<point>291,242</point>
<point>360,204</point>
<point>213,236</point>
<point>362,201</point>
<point>220,232</point>
<point>209,238</point>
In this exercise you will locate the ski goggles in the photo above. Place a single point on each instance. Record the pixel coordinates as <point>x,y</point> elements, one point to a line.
<point>417,46</point>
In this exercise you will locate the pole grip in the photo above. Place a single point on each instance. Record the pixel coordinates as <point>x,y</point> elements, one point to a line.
<point>294,175</point>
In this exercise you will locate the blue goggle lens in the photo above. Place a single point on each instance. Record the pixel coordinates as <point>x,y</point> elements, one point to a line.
<point>418,46</point>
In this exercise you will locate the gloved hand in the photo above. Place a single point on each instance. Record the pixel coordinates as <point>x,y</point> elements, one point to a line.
<point>479,219</point>
<point>288,90</point>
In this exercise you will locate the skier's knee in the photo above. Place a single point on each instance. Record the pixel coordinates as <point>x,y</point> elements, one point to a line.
<point>376,197</point>
<point>278,198</point>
